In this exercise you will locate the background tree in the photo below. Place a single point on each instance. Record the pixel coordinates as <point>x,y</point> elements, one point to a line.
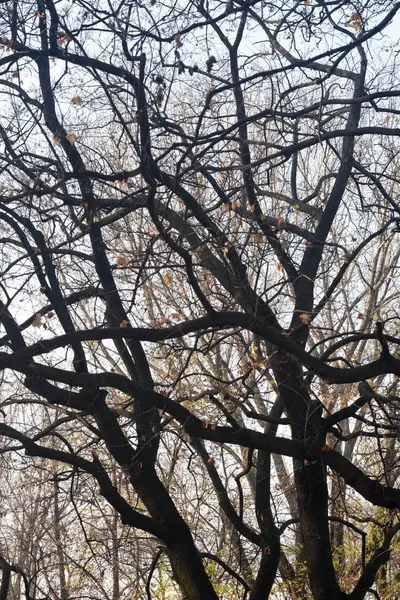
<point>199,273</point>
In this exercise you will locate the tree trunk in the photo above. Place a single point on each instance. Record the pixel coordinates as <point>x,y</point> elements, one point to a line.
<point>305,415</point>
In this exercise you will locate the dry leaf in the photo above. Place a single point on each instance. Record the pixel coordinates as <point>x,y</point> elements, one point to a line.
<point>5,42</point>
<point>168,278</point>
<point>176,317</point>
<point>76,100</point>
<point>37,320</point>
<point>56,140</point>
<point>71,137</point>
<point>326,448</point>
<point>124,323</point>
<point>347,257</point>
<point>257,237</point>
<point>63,38</point>
<point>305,318</point>
<point>122,261</point>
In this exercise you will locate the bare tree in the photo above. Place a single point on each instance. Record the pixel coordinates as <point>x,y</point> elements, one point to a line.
<point>199,273</point>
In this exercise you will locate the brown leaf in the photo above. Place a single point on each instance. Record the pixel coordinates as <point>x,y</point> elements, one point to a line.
<point>168,278</point>
<point>257,238</point>
<point>71,137</point>
<point>176,317</point>
<point>37,320</point>
<point>122,261</point>
<point>305,318</point>
<point>326,448</point>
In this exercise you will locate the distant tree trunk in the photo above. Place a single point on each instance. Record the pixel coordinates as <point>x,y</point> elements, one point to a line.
<point>59,543</point>
<point>115,555</point>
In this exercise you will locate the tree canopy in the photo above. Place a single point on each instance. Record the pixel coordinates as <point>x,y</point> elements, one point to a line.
<point>199,292</point>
